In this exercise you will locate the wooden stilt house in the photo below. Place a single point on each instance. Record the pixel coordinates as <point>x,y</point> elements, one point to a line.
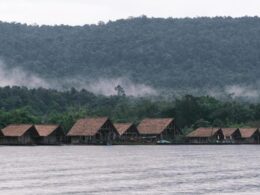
<point>205,135</point>
<point>19,134</point>
<point>155,129</point>
<point>127,132</point>
<point>250,135</point>
<point>49,134</point>
<point>92,131</point>
<point>231,135</point>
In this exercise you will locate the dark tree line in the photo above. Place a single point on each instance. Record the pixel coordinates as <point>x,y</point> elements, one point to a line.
<point>22,105</point>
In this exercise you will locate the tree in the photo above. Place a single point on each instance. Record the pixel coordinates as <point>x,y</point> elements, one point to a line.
<point>201,123</point>
<point>120,91</point>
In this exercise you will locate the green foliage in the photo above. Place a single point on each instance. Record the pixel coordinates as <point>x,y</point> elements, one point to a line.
<point>20,115</point>
<point>201,123</point>
<point>23,105</point>
<point>67,119</point>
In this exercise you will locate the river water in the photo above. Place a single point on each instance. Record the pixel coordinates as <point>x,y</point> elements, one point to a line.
<point>232,169</point>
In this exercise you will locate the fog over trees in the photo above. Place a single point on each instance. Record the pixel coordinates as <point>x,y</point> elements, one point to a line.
<point>178,55</point>
<point>142,57</point>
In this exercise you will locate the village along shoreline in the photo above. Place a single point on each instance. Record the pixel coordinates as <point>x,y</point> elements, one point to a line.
<point>102,131</point>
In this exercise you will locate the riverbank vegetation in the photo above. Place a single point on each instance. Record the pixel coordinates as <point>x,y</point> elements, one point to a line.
<point>23,105</point>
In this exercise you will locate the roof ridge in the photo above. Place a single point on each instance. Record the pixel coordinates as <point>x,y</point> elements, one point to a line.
<point>88,125</point>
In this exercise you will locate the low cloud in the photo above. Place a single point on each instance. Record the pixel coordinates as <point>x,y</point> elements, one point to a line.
<point>18,77</point>
<point>242,91</point>
<point>104,86</point>
<point>107,87</point>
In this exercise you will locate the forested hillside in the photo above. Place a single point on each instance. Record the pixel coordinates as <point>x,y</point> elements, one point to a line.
<point>174,54</point>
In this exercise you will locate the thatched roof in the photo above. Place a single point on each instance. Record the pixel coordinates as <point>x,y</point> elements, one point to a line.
<point>229,131</point>
<point>16,130</point>
<point>154,126</point>
<point>87,126</point>
<point>46,130</point>
<point>247,132</point>
<point>122,127</point>
<point>204,132</point>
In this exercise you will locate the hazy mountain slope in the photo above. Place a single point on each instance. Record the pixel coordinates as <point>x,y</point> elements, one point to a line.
<point>181,54</point>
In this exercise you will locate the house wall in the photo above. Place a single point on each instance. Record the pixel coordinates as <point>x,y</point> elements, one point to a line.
<point>50,140</point>
<point>249,141</point>
<point>55,138</point>
<point>9,140</point>
<point>131,135</point>
<point>2,140</point>
<point>216,138</point>
<point>255,139</point>
<point>22,140</point>
<point>81,139</point>
<point>150,138</point>
<point>106,134</point>
<point>234,138</point>
<point>198,140</point>
<point>170,132</point>
<point>74,140</point>
<point>26,139</point>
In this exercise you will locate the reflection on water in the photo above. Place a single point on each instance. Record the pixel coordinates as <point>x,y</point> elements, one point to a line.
<point>130,170</point>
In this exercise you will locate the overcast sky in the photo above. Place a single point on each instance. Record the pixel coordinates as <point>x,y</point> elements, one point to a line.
<point>79,12</point>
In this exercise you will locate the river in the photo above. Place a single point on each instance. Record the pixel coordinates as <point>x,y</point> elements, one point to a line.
<point>112,170</point>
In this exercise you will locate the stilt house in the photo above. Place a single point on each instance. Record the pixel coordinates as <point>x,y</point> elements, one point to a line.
<point>127,132</point>
<point>205,135</point>
<point>92,131</point>
<point>155,129</point>
<point>231,135</point>
<point>19,134</point>
<point>250,135</point>
<point>49,134</point>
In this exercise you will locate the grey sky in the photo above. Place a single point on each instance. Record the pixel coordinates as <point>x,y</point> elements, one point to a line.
<point>78,12</point>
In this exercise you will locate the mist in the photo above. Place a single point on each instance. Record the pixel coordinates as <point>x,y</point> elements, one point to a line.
<point>242,91</point>
<point>18,77</point>
<point>105,86</point>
